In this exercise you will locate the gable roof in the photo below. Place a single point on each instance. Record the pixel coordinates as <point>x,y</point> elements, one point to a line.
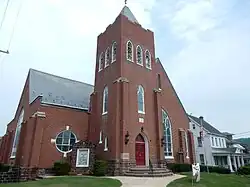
<point>57,90</point>
<point>207,126</point>
<point>127,12</point>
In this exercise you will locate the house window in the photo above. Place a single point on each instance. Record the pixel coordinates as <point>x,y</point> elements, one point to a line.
<point>106,144</point>
<point>202,159</point>
<point>129,51</point>
<point>101,60</point>
<point>212,141</point>
<point>100,137</point>
<point>114,48</point>
<point>139,55</point>
<point>220,142</point>
<point>159,81</point>
<point>105,101</point>
<point>186,141</point>
<point>140,99</point>
<point>168,149</point>
<point>107,57</point>
<point>148,59</point>
<point>17,134</point>
<point>193,126</point>
<point>65,141</point>
<point>216,142</point>
<point>199,141</point>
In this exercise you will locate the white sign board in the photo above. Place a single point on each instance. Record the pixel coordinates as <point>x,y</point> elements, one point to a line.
<point>82,158</point>
<point>196,171</point>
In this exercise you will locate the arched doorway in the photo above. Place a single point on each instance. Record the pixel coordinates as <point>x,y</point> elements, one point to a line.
<point>140,150</point>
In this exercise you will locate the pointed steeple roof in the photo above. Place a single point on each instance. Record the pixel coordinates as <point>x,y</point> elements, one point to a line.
<point>127,12</point>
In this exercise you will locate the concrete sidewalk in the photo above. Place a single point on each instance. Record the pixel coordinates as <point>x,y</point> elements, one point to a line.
<point>146,181</point>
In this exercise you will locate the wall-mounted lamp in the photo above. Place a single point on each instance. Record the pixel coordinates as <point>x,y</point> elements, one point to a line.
<point>127,138</point>
<point>162,142</point>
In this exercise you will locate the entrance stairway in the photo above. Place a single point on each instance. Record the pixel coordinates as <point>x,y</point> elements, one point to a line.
<point>148,172</point>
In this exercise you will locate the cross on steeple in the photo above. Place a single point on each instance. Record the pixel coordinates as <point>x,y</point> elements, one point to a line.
<point>125,2</point>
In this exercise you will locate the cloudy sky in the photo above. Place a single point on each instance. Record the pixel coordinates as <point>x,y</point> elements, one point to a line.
<point>203,44</point>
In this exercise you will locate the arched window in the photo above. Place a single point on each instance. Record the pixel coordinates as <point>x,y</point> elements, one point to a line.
<point>114,48</point>
<point>17,134</point>
<point>106,144</point>
<point>105,101</point>
<point>65,141</point>
<point>167,133</point>
<point>107,57</point>
<point>101,60</point>
<point>148,59</point>
<point>129,51</point>
<point>139,55</point>
<point>140,99</point>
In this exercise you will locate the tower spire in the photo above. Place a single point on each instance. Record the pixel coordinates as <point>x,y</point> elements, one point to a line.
<point>125,2</point>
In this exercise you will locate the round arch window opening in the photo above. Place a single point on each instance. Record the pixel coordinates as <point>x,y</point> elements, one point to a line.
<point>65,141</point>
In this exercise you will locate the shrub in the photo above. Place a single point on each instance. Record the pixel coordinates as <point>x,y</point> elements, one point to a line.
<point>4,168</point>
<point>244,170</point>
<point>61,168</point>
<point>177,168</point>
<point>100,168</point>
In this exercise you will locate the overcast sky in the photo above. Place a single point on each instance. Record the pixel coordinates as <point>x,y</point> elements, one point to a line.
<point>203,44</point>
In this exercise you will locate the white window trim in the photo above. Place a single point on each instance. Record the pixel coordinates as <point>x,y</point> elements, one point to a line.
<point>65,152</point>
<point>168,157</point>
<point>106,144</point>
<point>138,46</point>
<point>18,128</point>
<point>150,59</point>
<point>132,51</point>
<point>143,98</point>
<point>103,100</point>
<point>112,52</point>
<point>106,64</point>
<point>100,137</point>
<point>100,62</point>
<point>77,165</point>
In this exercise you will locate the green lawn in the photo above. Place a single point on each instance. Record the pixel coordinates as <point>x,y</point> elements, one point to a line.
<point>213,180</point>
<point>73,181</point>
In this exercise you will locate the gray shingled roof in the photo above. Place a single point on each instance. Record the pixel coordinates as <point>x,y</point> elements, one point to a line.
<point>58,90</point>
<point>127,12</point>
<point>206,125</point>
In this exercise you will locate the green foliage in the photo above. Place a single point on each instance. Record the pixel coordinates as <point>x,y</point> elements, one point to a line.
<point>100,168</point>
<point>178,168</point>
<point>244,141</point>
<point>4,168</point>
<point>61,168</point>
<point>244,170</point>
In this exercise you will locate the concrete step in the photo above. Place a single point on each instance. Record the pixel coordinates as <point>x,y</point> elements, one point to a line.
<point>147,172</point>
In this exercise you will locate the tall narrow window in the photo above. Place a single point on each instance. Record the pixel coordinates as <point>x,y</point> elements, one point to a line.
<point>186,142</point>
<point>100,138</point>
<point>114,48</point>
<point>140,99</point>
<point>17,134</point>
<point>139,55</point>
<point>129,51</point>
<point>148,59</point>
<point>105,101</point>
<point>101,59</point>
<point>167,133</point>
<point>106,144</point>
<point>212,141</point>
<point>159,81</point>
<point>199,141</point>
<point>107,57</point>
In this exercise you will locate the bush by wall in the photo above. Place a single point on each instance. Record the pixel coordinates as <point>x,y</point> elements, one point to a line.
<point>4,168</point>
<point>244,170</point>
<point>100,168</point>
<point>61,168</point>
<point>177,168</point>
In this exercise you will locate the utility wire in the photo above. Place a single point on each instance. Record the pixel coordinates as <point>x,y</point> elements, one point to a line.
<point>4,14</point>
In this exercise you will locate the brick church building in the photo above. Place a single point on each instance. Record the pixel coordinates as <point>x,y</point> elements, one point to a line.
<point>132,113</point>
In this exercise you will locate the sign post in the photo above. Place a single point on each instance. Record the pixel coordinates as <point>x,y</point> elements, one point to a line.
<point>196,173</point>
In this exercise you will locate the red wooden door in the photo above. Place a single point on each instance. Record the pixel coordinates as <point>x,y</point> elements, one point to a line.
<point>140,151</point>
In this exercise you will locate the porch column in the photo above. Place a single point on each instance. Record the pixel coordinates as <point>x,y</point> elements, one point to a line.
<point>238,160</point>
<point>235,164</point>
<point>229,163</point>
<point>242,161</point>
